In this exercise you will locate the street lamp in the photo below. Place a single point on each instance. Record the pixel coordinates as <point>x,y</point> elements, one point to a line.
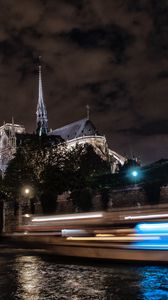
<point>27,191</point>
<point>134,174</point>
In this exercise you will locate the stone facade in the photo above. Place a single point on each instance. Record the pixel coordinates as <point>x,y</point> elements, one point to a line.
<point>8,142</point>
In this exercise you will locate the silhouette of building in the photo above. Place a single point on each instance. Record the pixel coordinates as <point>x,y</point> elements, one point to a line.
<point>79,132</point>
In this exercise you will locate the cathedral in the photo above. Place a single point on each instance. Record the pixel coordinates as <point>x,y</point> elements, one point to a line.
<point>79,132</point>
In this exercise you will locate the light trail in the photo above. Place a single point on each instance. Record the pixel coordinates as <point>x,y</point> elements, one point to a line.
<point>152,228</point>
<point>150,246</point>
<point>69,217</point>
<point>113,239</point>
<point>104,235</point>
<point>146,217</point>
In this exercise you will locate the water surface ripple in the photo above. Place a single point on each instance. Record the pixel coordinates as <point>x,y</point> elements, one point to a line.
<point>32,277</point>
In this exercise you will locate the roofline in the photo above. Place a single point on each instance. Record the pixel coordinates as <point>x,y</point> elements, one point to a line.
<point>63,127</point>
<point>86,137</point>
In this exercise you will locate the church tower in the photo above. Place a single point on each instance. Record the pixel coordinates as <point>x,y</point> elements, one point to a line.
<point>42,121</point>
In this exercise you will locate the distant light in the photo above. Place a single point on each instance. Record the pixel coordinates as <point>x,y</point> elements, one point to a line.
<point>27,215</point>
<point>134,173</point>
<point>70,217</point>
<point>27,191</point>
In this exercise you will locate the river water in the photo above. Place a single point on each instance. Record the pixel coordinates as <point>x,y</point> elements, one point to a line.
<point>39,277</point>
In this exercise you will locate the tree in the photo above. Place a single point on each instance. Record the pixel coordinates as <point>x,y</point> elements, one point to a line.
<point>75,172</point>
<point>33,155</point>
<point>18,173</point>
<point>52,169</point>
<point>86,164</point>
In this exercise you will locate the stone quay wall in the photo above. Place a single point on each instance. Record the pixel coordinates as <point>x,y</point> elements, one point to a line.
<point>117,199</point>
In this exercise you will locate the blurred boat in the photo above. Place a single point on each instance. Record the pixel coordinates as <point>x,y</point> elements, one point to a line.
<point>98,235</point>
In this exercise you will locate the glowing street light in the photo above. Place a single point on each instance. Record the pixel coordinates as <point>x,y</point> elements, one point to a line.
<point>27,191</point>
<point>134,173</point>
<point>26,194</point>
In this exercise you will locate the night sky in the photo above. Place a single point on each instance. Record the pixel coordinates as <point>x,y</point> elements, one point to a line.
<point>110,54</point>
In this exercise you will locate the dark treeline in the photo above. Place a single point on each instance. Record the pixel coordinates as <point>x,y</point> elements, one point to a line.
<point>47,166</point>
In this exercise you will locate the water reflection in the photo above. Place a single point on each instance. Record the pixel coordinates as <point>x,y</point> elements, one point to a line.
<point>46,278</point>
<point>28,277</point>
<point>154,283</point>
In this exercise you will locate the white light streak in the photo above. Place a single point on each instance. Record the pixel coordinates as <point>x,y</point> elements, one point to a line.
<point>159,226</point>
<point>146,217</point>
<point>64,218</point>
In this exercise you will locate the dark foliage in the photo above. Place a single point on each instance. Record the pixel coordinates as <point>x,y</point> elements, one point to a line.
<point>48,202</point>
<point>33,155</point>
<point>152,191</point>
<point>105,197</point>
<point>82,199</point>
<point>51,169</point>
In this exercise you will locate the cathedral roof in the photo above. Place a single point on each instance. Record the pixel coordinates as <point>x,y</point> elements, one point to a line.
<point>83,127</point>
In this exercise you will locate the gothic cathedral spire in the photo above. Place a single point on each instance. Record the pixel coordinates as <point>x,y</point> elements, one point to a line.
<point>42,120</point>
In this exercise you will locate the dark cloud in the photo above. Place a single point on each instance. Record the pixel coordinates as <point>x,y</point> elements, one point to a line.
<point>163,74</point>
<point>112,37</point>
<point>149,129</point>
<point>110,54</point>
<point>105,95</point>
